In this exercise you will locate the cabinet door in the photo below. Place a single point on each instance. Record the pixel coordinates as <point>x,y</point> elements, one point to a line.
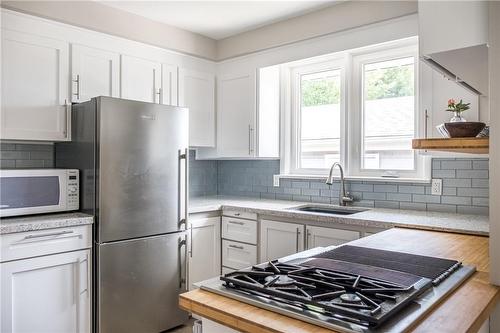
<point>169,85</point>
<point>322,237</point>
<point>236,115</point>
<point>47,294</point>
<point>35,88</point>
<point>205,250</point>
<point>94,73</point>
<point>140,79</point>
<point>196,92</point>
<point>279,239</point>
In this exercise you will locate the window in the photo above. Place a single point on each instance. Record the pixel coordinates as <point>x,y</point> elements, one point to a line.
<point>317,109</point>
<point>368,127</point>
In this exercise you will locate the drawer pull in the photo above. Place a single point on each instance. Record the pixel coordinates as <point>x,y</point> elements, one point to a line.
<point>239,247</point>
<point>50,234</point>
<point>236,222</point>
<point>237,214</point>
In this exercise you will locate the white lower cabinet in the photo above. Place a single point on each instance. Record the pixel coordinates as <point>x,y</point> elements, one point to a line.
<point>205,250</point>
<point>238,255</point>
<point>279,239</point>
<point>322,237</point>
<point>47,294</point>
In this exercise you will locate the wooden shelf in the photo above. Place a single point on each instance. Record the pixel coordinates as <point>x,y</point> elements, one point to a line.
<point>459,145</point>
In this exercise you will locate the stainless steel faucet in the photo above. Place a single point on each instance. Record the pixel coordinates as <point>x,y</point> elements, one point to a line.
<point>344,196</point>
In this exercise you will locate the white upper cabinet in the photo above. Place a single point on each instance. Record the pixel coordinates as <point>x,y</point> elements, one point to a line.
<point>196,92</point>
<point>140,79</point>
<point>169,91</point>
<point>35,87</point>
<point>94,73</point>
<point>248,109</point>
<point>236,115</point>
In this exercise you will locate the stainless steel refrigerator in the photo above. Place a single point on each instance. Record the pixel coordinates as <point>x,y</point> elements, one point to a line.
<point>133,160</point>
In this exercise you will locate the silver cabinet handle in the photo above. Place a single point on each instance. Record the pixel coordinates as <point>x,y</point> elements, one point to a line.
<point>191,241</point>
<point>426,115</point>
<point>308,234</point>
<point>236,222</point>
<point>297,239</point>
<point>250,132</point>
<point>50,234</point>
<point>77,81</point>
<point>239,247</point>
<point>159,93</point>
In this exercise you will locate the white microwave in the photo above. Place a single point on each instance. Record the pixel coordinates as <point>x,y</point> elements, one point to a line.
<point>37,191</point>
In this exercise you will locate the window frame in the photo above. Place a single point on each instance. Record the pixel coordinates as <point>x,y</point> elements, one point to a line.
<point>296,72</point>
<point>350,127</point>
<point>356,101</point>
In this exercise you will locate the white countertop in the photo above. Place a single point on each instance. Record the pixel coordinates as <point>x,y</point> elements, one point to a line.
<point>10,225</point>
<point>372,217</point>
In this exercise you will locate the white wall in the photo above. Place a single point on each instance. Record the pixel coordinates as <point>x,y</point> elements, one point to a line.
<point>95,16</point>
<point>337,18</point>
<point>494,70</point>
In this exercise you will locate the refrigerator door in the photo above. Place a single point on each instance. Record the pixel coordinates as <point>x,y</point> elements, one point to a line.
<point>141,175</point>
<point>139,282</point>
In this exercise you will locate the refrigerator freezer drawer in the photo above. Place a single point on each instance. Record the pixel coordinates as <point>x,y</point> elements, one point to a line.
<point>139,282</point>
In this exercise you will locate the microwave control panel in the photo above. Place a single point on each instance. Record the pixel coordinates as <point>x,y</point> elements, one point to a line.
<point>73,190</point>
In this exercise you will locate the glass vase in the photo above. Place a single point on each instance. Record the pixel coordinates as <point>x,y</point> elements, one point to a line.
<point>457,118</point>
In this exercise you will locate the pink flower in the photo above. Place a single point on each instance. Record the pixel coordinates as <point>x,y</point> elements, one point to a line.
<point>451,101</point>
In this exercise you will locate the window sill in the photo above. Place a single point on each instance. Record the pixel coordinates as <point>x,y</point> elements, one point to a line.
<point>354,178</point>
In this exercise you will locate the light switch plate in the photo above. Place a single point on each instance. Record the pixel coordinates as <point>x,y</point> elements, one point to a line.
<point>437,187</point>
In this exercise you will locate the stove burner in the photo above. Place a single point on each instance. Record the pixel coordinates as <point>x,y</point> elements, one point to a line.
<point>355,298</point>
<point>279,280</point>
<point>350,298</point>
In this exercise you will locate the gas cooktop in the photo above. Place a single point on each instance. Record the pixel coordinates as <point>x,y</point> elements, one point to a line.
<point>349,289</point>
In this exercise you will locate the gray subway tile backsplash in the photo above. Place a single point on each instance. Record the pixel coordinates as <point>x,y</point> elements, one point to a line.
<point>465,182</point>
<point>465,186</point>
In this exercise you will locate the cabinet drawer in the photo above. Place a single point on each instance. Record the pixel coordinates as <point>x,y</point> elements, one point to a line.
<point>241,215</point>
<point>42,242</point>
<point>239,230</point>
<point>238,255</point>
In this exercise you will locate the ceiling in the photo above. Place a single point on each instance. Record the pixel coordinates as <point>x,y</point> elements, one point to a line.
<point>219,19</point>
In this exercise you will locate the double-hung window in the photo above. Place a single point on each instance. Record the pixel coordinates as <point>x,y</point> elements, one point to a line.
<point>358,108</point>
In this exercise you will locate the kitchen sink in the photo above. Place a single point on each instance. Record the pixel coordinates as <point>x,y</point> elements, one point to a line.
<point>331,210</point>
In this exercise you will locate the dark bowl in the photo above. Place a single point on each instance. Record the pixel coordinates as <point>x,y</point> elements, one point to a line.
<point>467,129</point>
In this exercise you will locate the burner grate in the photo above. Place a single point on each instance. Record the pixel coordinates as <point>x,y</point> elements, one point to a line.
<point>361,298</point>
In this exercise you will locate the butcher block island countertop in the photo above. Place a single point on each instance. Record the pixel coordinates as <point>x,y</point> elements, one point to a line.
<point>464,310</point>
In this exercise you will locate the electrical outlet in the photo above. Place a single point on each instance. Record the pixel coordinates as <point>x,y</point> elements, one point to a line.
<point>276,180</point>
<point>437,187</point>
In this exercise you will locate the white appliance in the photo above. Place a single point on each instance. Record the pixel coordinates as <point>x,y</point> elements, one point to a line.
<point>36,191</point>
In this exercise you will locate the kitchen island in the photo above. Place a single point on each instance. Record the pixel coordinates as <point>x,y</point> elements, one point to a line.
<point>464,310</point>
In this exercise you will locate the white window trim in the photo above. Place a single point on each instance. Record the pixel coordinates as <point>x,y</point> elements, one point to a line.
<point>288,133</point>
<point>355,126</point>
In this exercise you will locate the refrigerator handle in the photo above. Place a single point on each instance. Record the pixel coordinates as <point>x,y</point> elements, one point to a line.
<point>184,155</point>
<point>183,277</point>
